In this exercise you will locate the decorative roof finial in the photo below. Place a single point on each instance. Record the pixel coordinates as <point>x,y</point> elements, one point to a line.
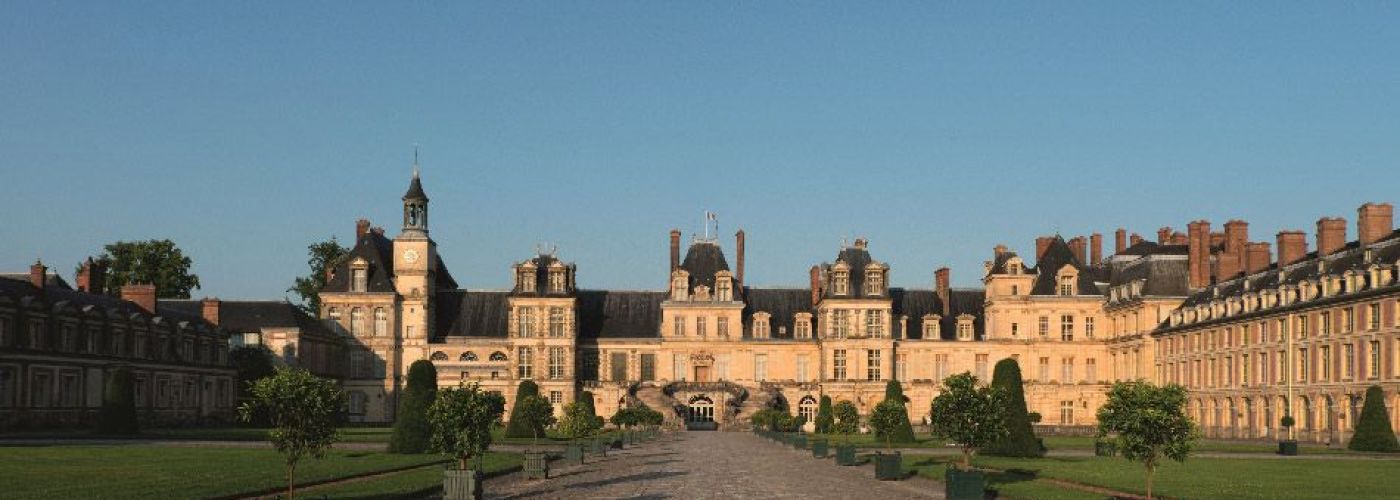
<point>415,160</point>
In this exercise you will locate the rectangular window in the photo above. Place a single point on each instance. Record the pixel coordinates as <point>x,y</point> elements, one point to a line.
<point>587,365</point>
<point>874,323</point>
<point>1324,354</point>
<point>618,366</point>
<point>901,367</point>
<point>556,363</point>
<point>556,397</point>
<point>872,364</point>
<point>648,366</point>
<point>838,364</point>
<point>1324,323</point>
<point>700,326</point>
<point>1348,361</point>
<point>1091,371</point>
<point>525,363</point>
<point>1244,368</point>
<point>1373,316</point>
<point>1015,329</point>
<point>842,322</point>
<point>940,366</point>
<point>1067,371</point>
<point>1373,368</point>
<point>1066,412</point>
<point>1302,324</point>
<point>722,326</point>
<point>1044,329</point>
<point>760,367</point>
<point>1282,367</point>
<point>359,280</point>
<point>526,319</point>
<point>1044,370</point>
<point>677,367</point>
<point>1348,319</point>
<point>556,322</point>
<point>1089,327</point>
<point>679,326</point>
<point>1303,364</point>
<point>801,368</point>
<point>7,387</point>
<point>1066,328</point>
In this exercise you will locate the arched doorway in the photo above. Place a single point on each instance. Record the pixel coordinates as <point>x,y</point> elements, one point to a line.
<point>701,412</point>
<point>807,409</point>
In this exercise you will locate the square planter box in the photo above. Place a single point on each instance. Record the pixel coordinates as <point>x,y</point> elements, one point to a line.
<point>573,454</point>
<point>599,447</point>
<point>845,454</point>
<point>819,447</point>
<point>1105,449</point>
<point>964,484</point>
<point>536,465</point>
<point>461,484</point>
<point>888,467</point>
<point>1289,448</point>
<point>799,441</point>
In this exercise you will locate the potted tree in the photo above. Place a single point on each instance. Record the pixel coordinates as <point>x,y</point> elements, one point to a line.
<point>799,438</point>
<point>577,424</point>
<point>536,413</point>
<point>1287,445</point>
<point>886,421</point>
<point>303,409</point>
<point>847,423</point>
<point>461,420</point>
<point>1149,422</point>
<point>973,417</point>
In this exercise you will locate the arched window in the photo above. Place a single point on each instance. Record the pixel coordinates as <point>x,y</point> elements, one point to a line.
<point>357,321</point>
<point>439,356</point>
<point>381,322</point>
<point>498,356</point>
<point>468,356</point>
<point>807,409</point>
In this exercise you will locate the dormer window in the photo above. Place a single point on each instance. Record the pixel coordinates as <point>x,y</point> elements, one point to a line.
<point>526,279</point>
<point>760,325</point>
<point>802,329</point>
<point>841,280</point>
<point>1066,285</point>
<point>965,327</point>
<point>556,281</point>
<point>932,330</point>
<point>724,289</point>
<point>679,281</point>
<point>1013,267</point>
<point>874,282</point>
<point>359,276</point>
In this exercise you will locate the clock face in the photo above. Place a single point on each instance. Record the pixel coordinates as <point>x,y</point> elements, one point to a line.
<point>410,256</point>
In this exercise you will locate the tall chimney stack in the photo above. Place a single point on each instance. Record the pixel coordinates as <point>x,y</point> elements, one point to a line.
<point>210,309</point>
<point>1198,253</point>
<point>941,278</point>
<point>1256,257</point>
<point>1292,247</point>
<point>85,276</point>
<point>361,229</point>
<point>1076,246</point>
<point>739,249</point>
<point>1042,243</point>
<point>1331,235</point>
<point>1236,239</point>
<point>1164,235</point>
<point>1177,238</point>
<point>143,295</point>
<point>815,277</point>
<point>38,274</point>
<point>1095,248</point>
<point>675,250</point>
<point>1374,221</point>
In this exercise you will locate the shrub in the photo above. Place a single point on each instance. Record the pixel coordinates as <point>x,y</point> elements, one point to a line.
<point>412,431</point>
<point>578,423</point>
<point>1373,431</point>
<point>118,415</point>
<point>1020,440</point>
<point>847,418</point>
<point>969,415</point>
<point>901,431</point>
<point>824,417</point>
<point>517,428</point>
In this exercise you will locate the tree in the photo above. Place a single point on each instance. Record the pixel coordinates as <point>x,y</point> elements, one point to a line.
<point>252,363</point>
<point>461,419</point>
<point>586,399</point>
<point>535,412</point>
<point>969,415</point>
<point>824,417</point>
<point>324,255</point>
<point>118,414</point>
<point>767,418</point>
<point>412,431</point>
<point>158,262</point>
<point>648,416</point>
<point>624,417</point>
<point>902,431</point>
<point>847,419</point>
<point>1149,422</point>
<point>1373,431</point>
<point>517,428</point>
<point>1020,440</point>
<point>579,423</point>
<point>303,408</point>
<point>887,418</point>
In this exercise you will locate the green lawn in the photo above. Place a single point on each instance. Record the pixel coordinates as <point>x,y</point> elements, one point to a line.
<point>138,471</point>
<point>1233,478</point>
<point>1204,445</point>
<point>347,434</point>
<point>1010,484</point>
<point>415,483</point>
<point>869,441</point>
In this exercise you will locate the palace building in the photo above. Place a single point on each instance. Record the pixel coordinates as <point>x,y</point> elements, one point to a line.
<point>1207,310</point>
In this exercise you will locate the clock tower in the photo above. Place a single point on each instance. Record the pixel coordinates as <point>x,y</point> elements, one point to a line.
<point>415,271</point>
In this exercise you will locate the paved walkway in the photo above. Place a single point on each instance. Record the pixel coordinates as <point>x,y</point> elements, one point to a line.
<point>711,465</point>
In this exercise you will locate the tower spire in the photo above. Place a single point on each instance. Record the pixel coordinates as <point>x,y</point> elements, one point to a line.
<point>415,160</point>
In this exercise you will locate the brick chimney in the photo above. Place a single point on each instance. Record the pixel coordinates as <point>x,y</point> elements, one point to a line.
<point>1256,258</point>
<point>1164,235</point>
<point>1120,241</point>
<point>1198,253</point>
<point>739,249</point>
<point>1217,239</point>
<point>1292,247</point>
<point>92,277</point>
<point>1236,238</point>
<point>1095,248</point>
<point>1331,235</point>
<point>361,229</point>
<point>675,250</point>
<point>1042,243</point>
<point>1177,238</point>
<point>143,295</point>
<point>941,278</point>
<point>999,250</point>
<point>815,277</point>
<point>1076,246</point>
<point>210,309</point>
<point>1374,221</point>
<point>38,274</point>
<point>1227,266</point>
<point>1134,239</point>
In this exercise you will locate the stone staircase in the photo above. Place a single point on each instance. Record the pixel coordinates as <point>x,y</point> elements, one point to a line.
<point>655,398</point>
<point>757,400</point>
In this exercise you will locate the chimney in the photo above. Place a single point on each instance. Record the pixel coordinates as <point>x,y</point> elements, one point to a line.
<point>1178,239</point>
<point>38,274</point>
<point>1217,239</point>
<point>940,278</point>
<point>1236,238</point>
<point>862,244</point>
<point>816,285</point>
<point>1374,221</point>
<point>210,308</point>
<point>1042,243</point>
<point>1095,248</point>
<point>1198,253</point>
<point>1134,239</point>
<point>999,250</point>
<point>1256,257</point>
<point>1164,235</point>
<point>1227,266</point>
<point>1120,241</point>
<point>361,229</point>
<point>144,296</point>
<point>85,276</point>
<point>1331,235</point>
<point>1292,247</point>
<point>675,250</point>
<point>1076,246</point>
<point>739,249</point>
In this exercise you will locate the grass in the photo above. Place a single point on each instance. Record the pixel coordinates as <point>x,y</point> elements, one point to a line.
<point>870,441</point>
<point>1229,478</point>
<point>416,483</point>
<point>347,434</point>
<point>1007,484</point>
<point>138,471</point>
<point>1205,445</point>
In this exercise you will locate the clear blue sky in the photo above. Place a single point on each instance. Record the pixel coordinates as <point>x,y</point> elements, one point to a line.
<point>246,131</point>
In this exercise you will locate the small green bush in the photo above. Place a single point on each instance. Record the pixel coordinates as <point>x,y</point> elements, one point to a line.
<point>825,419</point>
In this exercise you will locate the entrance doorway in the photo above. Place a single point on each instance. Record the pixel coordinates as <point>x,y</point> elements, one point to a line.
<point>702,413</point>
<point>702,374</point>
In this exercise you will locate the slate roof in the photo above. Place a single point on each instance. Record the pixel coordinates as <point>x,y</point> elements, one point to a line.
<point>378,251</point>
<point>542,263</point>
<point>610,314</point>
<point>415,190</point>
<point>916,303</point>
<point>999,264</point>
<point>60,292</point>
<point>1163,277</point>
<point>254,315</point>
<point>702,261</point>
<point>1153,248</point>
<point>1349,257</point>
<point>1054,258</point>
<point>471,313</point>
<point>782,305</point>
<point>857,258</point>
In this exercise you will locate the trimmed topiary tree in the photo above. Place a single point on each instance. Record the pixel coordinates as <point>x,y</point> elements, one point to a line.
<point>901,431</point>
<point>118,415</point>
<point>1373,431</point>
<point>1020,440</point>
<point>585,398</point>
<point>516,427</point>
<point>412,431</point>
<point>825,419</point>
